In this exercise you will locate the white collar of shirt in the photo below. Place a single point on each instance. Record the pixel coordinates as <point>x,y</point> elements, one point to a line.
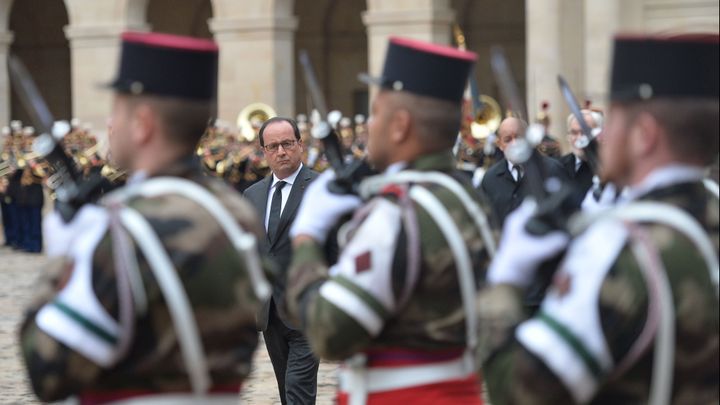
<point>578,163</point>
<point>290,180</point>
<point>511,165</point>
<point>664,177</point>
<point>285,192</point>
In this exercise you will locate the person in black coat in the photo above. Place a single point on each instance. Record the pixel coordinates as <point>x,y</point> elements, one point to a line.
<point>577,168</point>
<point>505,184</point>
<point>276,199</point>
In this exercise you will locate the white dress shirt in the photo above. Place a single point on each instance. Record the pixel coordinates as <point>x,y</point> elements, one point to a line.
<point>285,192</point>
<point>516,174</point>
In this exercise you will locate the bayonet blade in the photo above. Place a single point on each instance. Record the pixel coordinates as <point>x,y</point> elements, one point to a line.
<point>30,96</point>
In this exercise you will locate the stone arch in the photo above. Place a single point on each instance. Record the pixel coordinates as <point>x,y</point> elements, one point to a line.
<point>39,42</point>
<point>190,19</point>
<point>334,35</point>
<point>494,22</point>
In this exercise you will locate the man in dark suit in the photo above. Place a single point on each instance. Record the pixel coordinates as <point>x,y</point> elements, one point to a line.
<point>505,184</point>
<point>276,199</point>
<point>577,168</point>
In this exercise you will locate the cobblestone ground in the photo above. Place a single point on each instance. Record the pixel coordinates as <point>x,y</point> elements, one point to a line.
<point>19,271</point>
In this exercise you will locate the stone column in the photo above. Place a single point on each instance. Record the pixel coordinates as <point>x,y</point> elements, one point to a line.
<point>424,20</point>
<point>94,55</point>
<point>94,36</point>
<point>544,60</point>
<point>256,63</point>
<point>6,39</point>
<point>602,19</point>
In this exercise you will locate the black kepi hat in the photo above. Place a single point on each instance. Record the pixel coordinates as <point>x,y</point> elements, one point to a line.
<point>682,66</point>
<point>168,66</point>
<point>425,69</point>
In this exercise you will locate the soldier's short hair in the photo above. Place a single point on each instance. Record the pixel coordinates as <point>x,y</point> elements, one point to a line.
<point>184,120</point>
<point>437,121</point>
<point>692,125</point>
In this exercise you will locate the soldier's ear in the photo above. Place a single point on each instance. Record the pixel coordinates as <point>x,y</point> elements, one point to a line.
<point>645,135</point>
<point>400,123</point>
<point>144,124</point>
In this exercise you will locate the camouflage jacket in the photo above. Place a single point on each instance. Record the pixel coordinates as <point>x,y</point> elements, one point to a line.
<point>72,353</point>
<point>580,347</point>
<point>370,299</point>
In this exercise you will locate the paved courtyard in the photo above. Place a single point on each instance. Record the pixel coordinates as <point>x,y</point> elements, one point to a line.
<point>18,273</point>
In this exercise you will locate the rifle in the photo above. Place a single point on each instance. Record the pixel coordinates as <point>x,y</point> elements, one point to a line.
<point>72,191</point>
<point>347,176</point>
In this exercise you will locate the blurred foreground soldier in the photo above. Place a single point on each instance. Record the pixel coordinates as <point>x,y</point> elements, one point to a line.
<point>504,183</point>
<point>397,307</point>
<point>575,165</point>
<point>152,294</point>
<point>632,314</point>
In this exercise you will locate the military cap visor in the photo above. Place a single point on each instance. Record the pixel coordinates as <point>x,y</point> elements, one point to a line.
<point>424,69</point>
<point>167,65</point>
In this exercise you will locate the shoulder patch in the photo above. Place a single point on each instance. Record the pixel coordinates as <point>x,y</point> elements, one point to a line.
<point>363,262</point>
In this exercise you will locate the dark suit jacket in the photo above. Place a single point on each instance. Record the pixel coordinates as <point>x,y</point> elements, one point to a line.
<point>504,193</point>
<point>278,250</point>
<point>580,181</point>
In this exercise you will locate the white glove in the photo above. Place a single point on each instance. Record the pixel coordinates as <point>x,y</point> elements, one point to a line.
<point>61,238</point>
<point>320,209</point>
<point>607,199</point>
<point>520,253</point>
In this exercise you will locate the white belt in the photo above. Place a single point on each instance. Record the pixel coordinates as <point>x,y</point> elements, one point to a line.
<point>358,380</point>
<point>181,399</point>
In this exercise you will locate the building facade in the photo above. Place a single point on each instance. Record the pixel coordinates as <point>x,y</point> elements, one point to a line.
<point>71,46</point>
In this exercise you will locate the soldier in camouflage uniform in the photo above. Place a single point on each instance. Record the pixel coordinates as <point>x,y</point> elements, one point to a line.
<point>395,305</point>
<point>632,312</point>
<point>151,295</point>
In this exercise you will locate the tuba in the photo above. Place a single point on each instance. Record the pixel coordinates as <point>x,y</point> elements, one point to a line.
<point>487,118</point>
<point>253,114</point>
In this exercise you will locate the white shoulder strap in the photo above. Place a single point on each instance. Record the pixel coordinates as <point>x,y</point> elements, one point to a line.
<point>677,219</point>
<point>243,242</point>
<point>463,263</point>
<point>650,262</point>
<point>372,185</point>
<point>712,187</point>
<point>174,293</point>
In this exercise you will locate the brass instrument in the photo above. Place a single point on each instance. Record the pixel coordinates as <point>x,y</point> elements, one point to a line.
<point>6,167</point>
<point>488,117</point>
<point>253,114</point>
<point>111,173</point>
<point>487,120</point>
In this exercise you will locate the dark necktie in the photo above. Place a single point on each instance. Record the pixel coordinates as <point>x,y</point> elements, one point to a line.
<point>518,172</point>
<point>275,209</point>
